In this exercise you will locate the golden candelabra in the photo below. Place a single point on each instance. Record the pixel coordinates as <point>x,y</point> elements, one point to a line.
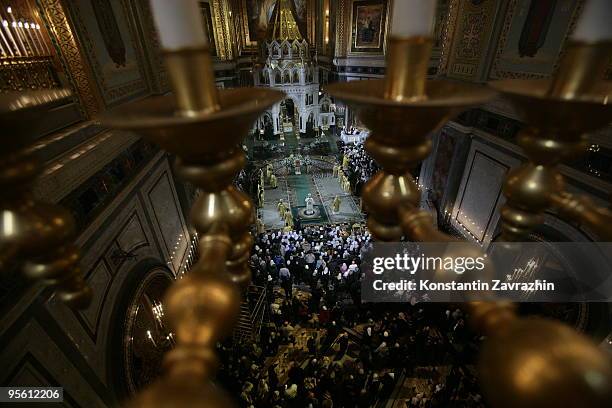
<point>35,235</point>
<point>204,127</point>
<point>26,58</point>
<point>558,112</point>
<point>524,362</point>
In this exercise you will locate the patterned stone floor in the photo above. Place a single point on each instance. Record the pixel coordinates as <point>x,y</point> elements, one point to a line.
<point>328,187</point>
<point>322,187</point>
<point>298,350</point>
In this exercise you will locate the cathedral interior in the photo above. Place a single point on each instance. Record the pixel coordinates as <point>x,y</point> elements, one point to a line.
<point>192,191</point>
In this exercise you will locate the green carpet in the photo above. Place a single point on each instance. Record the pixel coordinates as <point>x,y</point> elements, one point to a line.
<point>291,142</point>
<point>301,185</point>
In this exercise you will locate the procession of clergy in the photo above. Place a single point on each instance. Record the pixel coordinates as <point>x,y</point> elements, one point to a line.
<point>338,171</point>
<point>284,209</point>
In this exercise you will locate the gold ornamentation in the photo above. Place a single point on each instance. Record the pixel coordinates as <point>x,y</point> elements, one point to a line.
<point>221,29</point>
<point>202,307</point>
<point>250,44</point>
<point>341,14</point>
<point>449,30</point>
<point>285,26</point>
<point>524,362</point>
<point>24,73</point>
<point>474,26</point>
<point>54,15</point>
<point>559,113</point>
<point>35,234</point>
<point>405,77</point>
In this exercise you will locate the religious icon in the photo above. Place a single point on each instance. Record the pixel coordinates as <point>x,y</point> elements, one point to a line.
<point>368,25</point>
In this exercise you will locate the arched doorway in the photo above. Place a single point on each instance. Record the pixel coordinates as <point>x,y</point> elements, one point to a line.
<point>140,337</point>
<point>590,318</point>
<point>310,132</point>
<point>288,109</point>
<point>268,126</point>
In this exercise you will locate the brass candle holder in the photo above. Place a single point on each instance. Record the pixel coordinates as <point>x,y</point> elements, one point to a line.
<point>407,68</point>
<point>204,127</point>
<point>33,235</point>
<point>559,113</point>
<point>524,362</point>
<point>401,112</point>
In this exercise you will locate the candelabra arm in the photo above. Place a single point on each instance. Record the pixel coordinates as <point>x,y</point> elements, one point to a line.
<point>581,69</point>
<point>35,235</point>
<point>559,113</point>
<point>407,68</point>
<point>490,317</point>
<point>582,210</point>
<point>204,128</point>
<point>418,226</point>
<point>190,71</point>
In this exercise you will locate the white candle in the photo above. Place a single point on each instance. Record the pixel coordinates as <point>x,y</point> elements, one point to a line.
<point>595,23</point>
<point>28,30</point>
<point>6,25</point>
<point>40,37</point>
<point>179,23</point>
<point>413,18</point>
<point>18,36</point>
<point>8,46</point>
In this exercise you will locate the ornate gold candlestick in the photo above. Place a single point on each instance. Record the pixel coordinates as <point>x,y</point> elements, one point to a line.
<point>524,362</point>
<point>407,68</point>
<point>204,128</point>
<point>35,235</point>
<point>559,112</point>
<point>401,111</point>
<point>562,364</point>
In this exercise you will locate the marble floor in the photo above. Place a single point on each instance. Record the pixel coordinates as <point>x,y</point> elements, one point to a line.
<point>323,188</point>
<point>315,180</point>
<point>328,187</point>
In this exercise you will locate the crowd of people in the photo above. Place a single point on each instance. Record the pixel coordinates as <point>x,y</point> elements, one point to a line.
<point>361,167</point>
<point>355,353</point>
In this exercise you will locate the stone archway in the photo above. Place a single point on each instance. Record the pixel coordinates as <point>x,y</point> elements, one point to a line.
<point>590,318</point>
<point>310,125</point>
<point>289,109</point>
<point>134,360</point>
<point>267,126</point>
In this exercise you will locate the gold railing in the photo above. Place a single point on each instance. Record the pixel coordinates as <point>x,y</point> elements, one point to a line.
<point>524,362</point>
<point>26,73</point>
